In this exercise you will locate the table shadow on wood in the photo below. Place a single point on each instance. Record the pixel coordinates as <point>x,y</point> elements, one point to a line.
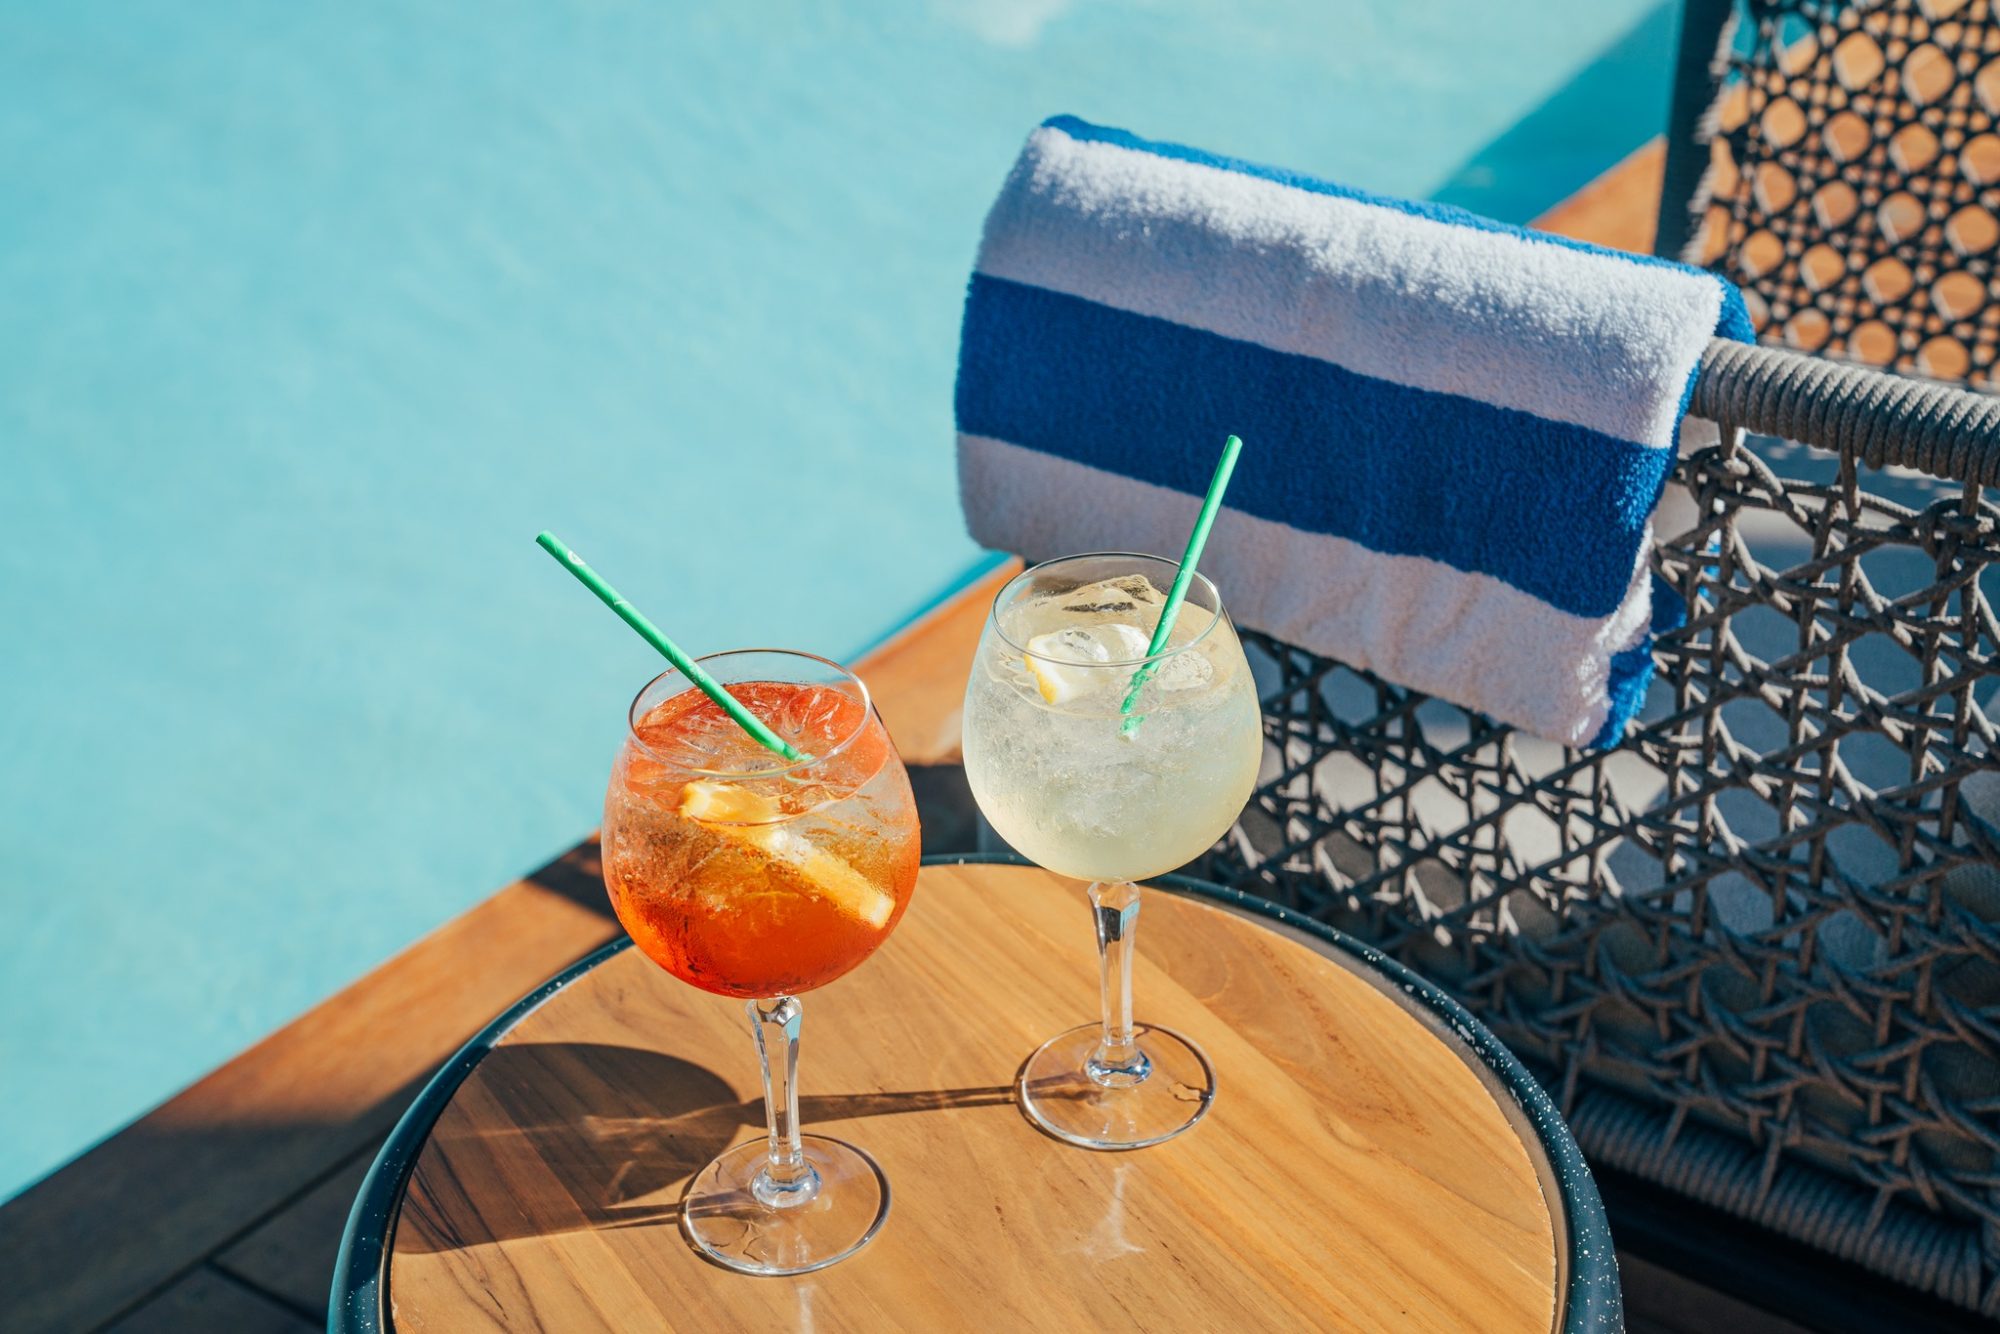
<point>650,1123</point>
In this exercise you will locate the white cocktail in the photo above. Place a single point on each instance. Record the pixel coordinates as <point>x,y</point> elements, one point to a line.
<point>1086,785</point>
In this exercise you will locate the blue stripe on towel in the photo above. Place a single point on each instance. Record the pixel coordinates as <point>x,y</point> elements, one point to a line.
<point>1380,464</point>
<point>1735,318</point>
<point>1632,669</point>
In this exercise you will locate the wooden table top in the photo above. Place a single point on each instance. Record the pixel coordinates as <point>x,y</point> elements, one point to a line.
<point>1359,1169</point>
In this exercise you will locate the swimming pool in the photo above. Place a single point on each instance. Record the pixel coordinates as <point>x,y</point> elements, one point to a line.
<point>311,316</point>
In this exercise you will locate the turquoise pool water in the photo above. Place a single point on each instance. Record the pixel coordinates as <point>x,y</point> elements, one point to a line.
<point>312,315</point>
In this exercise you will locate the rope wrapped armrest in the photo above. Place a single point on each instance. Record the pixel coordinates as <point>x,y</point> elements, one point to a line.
<point>1878,418</point>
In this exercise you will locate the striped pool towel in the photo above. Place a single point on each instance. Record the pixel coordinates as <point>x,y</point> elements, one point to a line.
<point>1455,430</point>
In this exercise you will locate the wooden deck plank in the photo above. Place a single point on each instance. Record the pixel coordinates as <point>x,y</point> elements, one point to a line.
<point>156,1199</point>
<point>1619,209</point>
<point>205,1300</point>
<point>1665,1302</point>
<point>291,1253</point>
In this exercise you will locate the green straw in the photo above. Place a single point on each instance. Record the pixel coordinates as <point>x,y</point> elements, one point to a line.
<point>1178,593</point>
<point>673,652</point>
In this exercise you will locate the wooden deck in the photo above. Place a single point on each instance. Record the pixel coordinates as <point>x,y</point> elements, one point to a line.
<point>222,1208</point>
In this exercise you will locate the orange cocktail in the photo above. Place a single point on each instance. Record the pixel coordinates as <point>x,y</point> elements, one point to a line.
<point>761,869</point>
<point>747,880</point>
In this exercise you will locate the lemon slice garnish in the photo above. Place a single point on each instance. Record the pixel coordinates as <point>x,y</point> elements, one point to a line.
<point>1065,664</point>
<point>750,819</point>
<point>1058,682</point>
<point>711,802</point>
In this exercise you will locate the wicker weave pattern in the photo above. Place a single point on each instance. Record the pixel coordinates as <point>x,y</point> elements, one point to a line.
<point>1854,187</point>
<point>1773,910</point>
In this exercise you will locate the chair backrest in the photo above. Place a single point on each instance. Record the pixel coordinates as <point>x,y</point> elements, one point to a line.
<point>1756,949</point>
<point>1841,162</point>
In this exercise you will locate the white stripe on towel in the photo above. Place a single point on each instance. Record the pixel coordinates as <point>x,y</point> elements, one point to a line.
<point>1417,622</point>
<point>1384,293</point>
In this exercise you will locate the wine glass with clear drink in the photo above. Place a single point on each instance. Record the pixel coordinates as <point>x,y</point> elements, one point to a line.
<point>753,877</point>
<point>1087,786</point>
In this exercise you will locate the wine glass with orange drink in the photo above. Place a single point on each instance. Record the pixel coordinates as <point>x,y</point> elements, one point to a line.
<point>760,840</point>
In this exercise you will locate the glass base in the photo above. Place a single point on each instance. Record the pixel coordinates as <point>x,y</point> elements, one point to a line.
<point>725,1216</point>
<point>1059,1095</point>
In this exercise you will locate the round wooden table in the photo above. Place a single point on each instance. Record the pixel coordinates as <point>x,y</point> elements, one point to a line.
<point>1373,1158</point>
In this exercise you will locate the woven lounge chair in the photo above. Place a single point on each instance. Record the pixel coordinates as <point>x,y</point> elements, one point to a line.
<point>1754,949</point>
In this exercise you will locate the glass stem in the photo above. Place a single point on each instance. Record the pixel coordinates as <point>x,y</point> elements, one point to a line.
<point>787,1179</point>
<point>1117,1062</point>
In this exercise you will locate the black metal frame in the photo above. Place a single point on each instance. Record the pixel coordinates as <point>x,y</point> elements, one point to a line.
<point>359,1303</point>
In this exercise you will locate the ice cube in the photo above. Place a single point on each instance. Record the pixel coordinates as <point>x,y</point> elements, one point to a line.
<point>1076,644</point>
<point>1123,642</point>
<point>1124,595</point>
<point>698,739</point>
<point>1112,642</point>
<point>1187,670</point>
